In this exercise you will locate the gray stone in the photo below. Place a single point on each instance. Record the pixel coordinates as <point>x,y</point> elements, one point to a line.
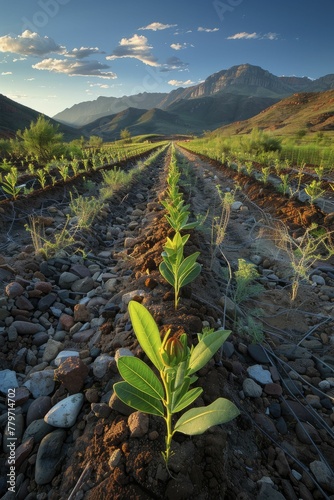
<point>66,280</point>
<point>100,365</point>
<point>318,280</point>
<point>8,380</point>
<point>27,328</point>
<point>62,355</point>
<point>251,388</point>
<point>267,492</point>
<point>292,352</point>
<point>322,473</point>
<point>40,383</point>
<point>38,408</point>
<point>257,352</point>
<point>49,456</point>
<point>38,429</point>
<point>83,285</point>
<point>52,348</point>
<point>257,373</point>
<point>64,413</point>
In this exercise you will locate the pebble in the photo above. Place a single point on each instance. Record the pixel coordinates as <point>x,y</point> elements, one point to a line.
<point>49,456</point>
<point>257,373</point>
<point>138,423</point>
<point>64,413</point>
<point>27,328</point>
<point>72,374</point>
<point>37,430</point>
<point>40,383</point>
<point>251,388</point>
<point>322,474</point>
<point>8,380</point>
<point>100,365</point>
<point>52,348</point>
<point>38,408</point>
<point>63,355</point>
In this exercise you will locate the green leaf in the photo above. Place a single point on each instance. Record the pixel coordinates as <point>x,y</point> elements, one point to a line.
<point>189,270</point>
<point>138,400</point>
<point>187,399</point>
<point>140,376</point>
<point>198,420</point>
<point>166,273</point>
<point>205,349</point>
<point>146,331</point>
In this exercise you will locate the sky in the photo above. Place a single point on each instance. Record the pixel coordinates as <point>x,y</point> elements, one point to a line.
<point>57,53</point>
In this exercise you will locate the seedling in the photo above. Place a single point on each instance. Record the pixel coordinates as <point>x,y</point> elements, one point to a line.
<point>177,365</point>
<point>176,269</point>
<point>9,183</point>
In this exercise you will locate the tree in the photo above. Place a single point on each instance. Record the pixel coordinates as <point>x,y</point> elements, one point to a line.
<point>42,140</point>
<point>125,135</point>
<point>95,142</point>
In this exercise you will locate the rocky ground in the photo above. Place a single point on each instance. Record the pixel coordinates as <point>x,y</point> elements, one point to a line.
<point>64,320</point>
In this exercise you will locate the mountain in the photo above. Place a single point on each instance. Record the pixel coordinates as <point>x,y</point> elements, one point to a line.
<point>88,111</point>
<point>138,122</point>
<point>15,116</point>
<point>312,111</point>
<point>253,89</point>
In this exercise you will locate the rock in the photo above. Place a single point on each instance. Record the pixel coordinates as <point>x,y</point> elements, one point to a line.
<point>83,285</point>
<point>72,374</point>
<point>138,423</point>
<point>38,408</point>
<point>322,474</point>
<point>43,286</point>
<point>100,365</point>
<point>49,456</point>
<point>40,339</point>
<point>273,390</point>
<point>37,430</point>
<point>80,270</point>
<point>257,352</point>
<point>236,205</point>
<point>251,388</point>
<point>130,242</point>
<point>306,433</point>
<point>63,355</point>
<point>23,303</point>
<point>115,458</point>
<point>64,413</point>
<point>101,410</point>
<point>27,328</point>
<point>14,290</point>
<point>52,348</point>
<point>46,302</point>
<point>8,380</point>
<point>292,352</point>
<point>21,395</point>
<point>318,280</point>
<point>67,279</point>
<point>40,383</point>
<point>66,321</point>
<point>267,492</point>
<point>257,373</point>
<point>266,424</point>
<point>281,464</point>
<point>118,405</point>
<point>23,451</point>
<point>83,336</point>
<point>81,313</point>
<point>137,295</point>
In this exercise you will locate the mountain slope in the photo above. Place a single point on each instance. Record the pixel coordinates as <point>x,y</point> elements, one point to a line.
<point>138,122</point>
<point>15,116</point>
<point>89,111</point>
<point>312,111</point>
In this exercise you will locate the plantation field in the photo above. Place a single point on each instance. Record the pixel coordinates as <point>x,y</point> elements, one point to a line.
<point>207,241</point>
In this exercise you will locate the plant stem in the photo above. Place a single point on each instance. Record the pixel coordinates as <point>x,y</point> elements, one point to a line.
<point>168,417</point>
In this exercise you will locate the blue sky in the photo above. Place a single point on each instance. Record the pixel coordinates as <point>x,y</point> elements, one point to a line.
<point>56,53</point>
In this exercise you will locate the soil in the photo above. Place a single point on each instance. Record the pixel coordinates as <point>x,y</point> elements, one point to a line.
<point>229,461</point>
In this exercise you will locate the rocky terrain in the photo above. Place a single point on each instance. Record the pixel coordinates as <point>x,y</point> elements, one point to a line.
<point>64,321</point>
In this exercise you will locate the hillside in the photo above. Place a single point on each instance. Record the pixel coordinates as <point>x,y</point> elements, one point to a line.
<point>15,116</point>
<point>138,122</point>
<point>312,111</point>
<point>243,81</point>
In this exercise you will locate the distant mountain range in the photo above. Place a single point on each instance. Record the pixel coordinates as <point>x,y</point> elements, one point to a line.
<point>226,97</point>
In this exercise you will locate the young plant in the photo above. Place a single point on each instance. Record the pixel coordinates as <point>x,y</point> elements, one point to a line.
<point>265,174</point>
<point>314,190</point>
<point>9,183</point>
<point>219,224</point>
<point>177,365</point>
<point>245,285</point>
<point>178,216</point>
<point>177,270</point>
<point>41,177</point>
<point>85,209</point>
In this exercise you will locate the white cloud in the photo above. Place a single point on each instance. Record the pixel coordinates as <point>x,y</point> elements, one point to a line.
<point>75,68</point>
<point>29,44</point>
<point>100,85</point>
<point>180,83</point>
<point>6,73</point>
<point>136,47</point>
<point>83,52</point>
<point>180,46</point>
<point>252,36</point>
<point>157,26</point>
<point>207,30</point>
